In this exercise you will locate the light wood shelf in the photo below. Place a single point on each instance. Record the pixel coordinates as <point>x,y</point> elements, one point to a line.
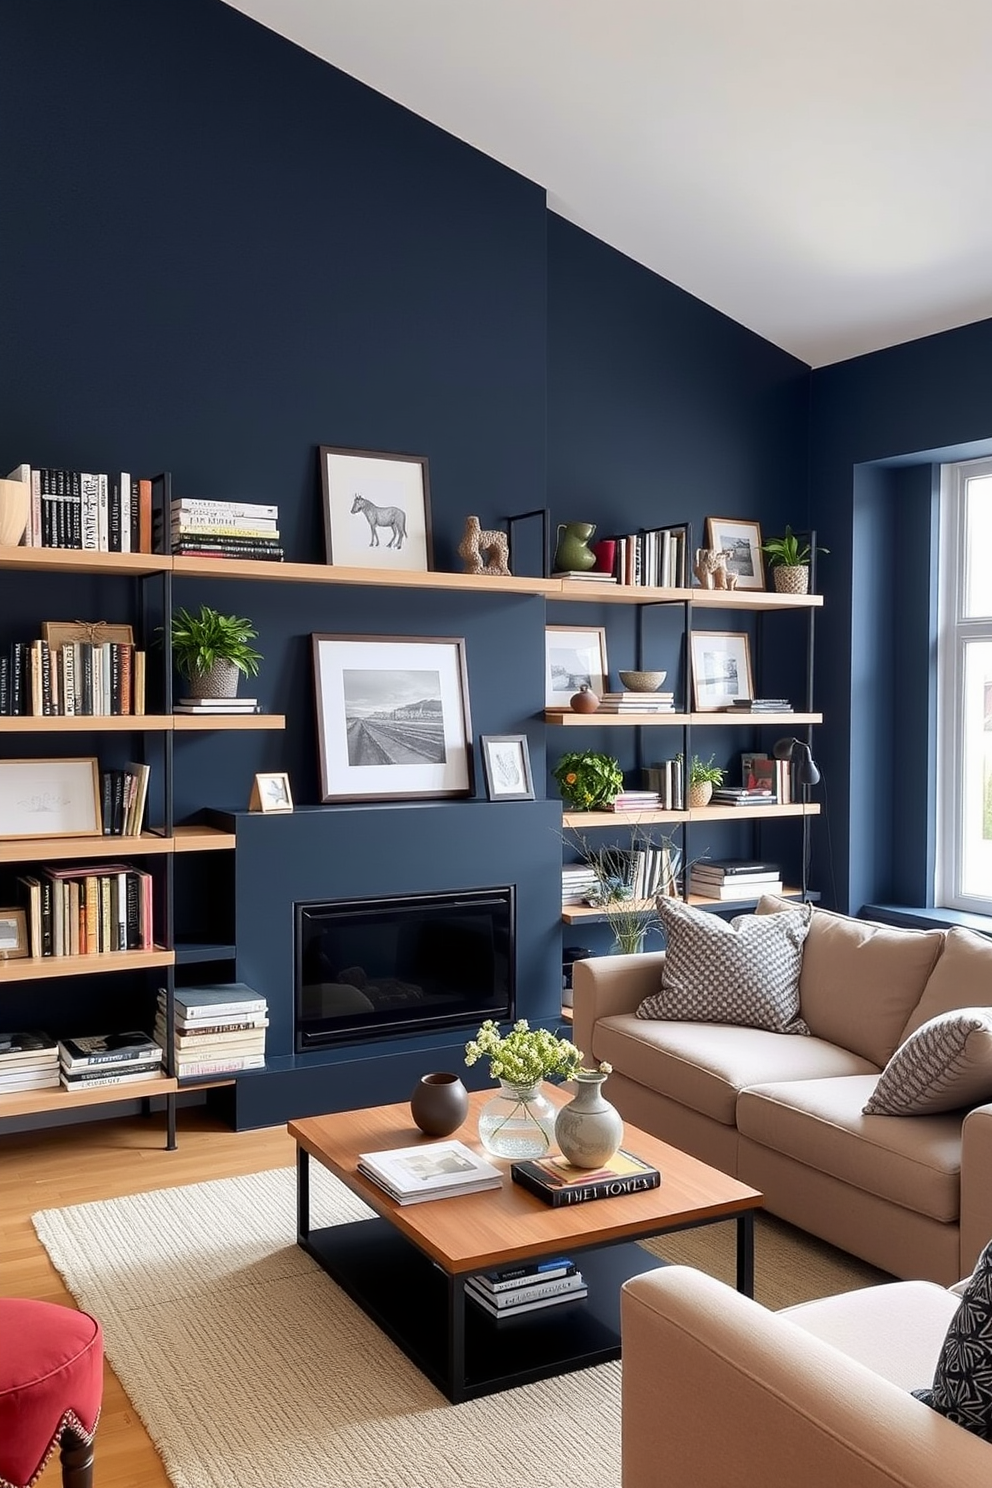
<point>62,560</point>
<point>116,723</point>
<point>708,599</point>
<point>577,820</point>
<point>198,838</point>
<point>190,723</point>
<point>55,849</point>
<point>329,573</point>
<point>37,968</point>
<point>577,914</point>
<point>34,1102</point>
<point>565,718</point>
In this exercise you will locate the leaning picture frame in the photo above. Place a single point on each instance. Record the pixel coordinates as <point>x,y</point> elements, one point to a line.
<point>376,509</point>
<point>742,540</point>
<point>50,798</point>
<point>393,718</point>
<point>721,669</point>
<point>13,934</point>
<point>271,793</point>
<point>574,657</point>
<point>506,763</point>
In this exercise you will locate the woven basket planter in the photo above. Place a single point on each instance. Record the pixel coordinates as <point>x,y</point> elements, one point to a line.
<point>791,580</point>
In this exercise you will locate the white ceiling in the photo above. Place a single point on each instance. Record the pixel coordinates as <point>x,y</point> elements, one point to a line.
<point>819,170</point>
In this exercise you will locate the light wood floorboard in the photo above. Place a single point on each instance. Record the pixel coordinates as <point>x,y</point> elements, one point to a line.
<point>102,1160</point>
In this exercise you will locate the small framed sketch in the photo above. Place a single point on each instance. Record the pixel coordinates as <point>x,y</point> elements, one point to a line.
<point>50,798</point>
<point>271,793</point>
<point>721,669</point>
<point>392,717</point>
<point>376,509</point>
<point>574,656</point>
<point>506,760</point>
<point>13,934</point>
<point>743,541</point>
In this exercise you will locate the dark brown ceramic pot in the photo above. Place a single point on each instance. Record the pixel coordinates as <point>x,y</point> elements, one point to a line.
<point>439,1104</point>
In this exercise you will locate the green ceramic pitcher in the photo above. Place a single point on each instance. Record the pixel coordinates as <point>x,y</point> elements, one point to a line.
<point>573,551</point>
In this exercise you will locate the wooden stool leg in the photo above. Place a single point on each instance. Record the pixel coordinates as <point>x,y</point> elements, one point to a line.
<point>77,1460</point>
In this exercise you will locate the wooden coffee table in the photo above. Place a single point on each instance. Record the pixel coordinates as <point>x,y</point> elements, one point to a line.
<point>407,1269</point>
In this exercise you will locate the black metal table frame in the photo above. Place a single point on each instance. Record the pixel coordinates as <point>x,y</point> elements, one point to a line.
<point>391,1279</point>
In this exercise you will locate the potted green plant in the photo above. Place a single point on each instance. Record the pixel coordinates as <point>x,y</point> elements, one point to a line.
<point>702,779</point>
<point>789,557</point>
<point>587,779</point>
<point>211,650</point>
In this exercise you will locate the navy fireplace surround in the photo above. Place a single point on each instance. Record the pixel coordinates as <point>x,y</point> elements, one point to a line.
<point>348,852</point>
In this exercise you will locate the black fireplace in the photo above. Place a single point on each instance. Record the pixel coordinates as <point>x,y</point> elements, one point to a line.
<point>403,964</point>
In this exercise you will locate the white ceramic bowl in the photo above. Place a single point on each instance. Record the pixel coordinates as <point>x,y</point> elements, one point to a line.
<point>642,681</point>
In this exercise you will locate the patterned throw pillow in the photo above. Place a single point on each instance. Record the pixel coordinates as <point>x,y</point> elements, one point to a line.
<point>962,1381</point>
<point>945,1064</point>
<point>746,972</point>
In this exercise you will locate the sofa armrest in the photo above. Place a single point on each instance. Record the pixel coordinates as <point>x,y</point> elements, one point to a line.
<point>719,1390</point>
<point>606,985</point>
<point>976,1191</point>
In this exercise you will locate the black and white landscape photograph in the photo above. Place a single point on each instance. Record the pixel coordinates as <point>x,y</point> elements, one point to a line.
<point>393,718</point>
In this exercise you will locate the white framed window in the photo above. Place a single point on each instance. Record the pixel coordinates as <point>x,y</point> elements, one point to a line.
<point>964,689</point>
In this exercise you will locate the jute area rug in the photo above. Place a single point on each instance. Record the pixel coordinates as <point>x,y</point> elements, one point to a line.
<point>249,1367</point>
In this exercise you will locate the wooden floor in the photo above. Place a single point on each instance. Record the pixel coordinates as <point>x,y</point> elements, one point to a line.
<point>101,1160</point>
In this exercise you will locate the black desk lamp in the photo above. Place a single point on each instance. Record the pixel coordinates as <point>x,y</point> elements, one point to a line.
<point>806,774</point>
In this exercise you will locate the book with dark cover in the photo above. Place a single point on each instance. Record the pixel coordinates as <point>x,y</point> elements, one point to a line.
<point>556,1182</point>
<point>513,1278</point>
<point>535,1305</point>
<point>115,701</point>
<point>4,686</point>
<point>218,997</point>
<point>18,674</point>
<point>107,801</point>
<point>734,867</point>
<point>92,1051</point>
<point>47,940</point>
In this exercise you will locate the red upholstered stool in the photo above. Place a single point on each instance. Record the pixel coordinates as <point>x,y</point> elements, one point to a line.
<point>51,1386</point>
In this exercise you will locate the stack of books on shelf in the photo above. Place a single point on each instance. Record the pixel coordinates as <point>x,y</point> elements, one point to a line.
<point>635,800</point>
<point>763,772</point>
<point>429,1170</point>
<point>637,702</point>
<point>734,878</point>
<point>233,707</point>
<point>95,513</point>
<point>92,679</point>
<point>28,1061</point>
<point>93,1060</point>
<point>225,529</point>
<point>88,910</point>
<point>578,881</point>
<point>527,1288</point>
<point>742,795</point>
<point>554,1180</point>
<point>219,1029</point>
<point>592,574</point>
<point>668,779</point>
<point>759,705</point>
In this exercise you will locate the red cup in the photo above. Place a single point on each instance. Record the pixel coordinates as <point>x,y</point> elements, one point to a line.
<point>605,553</point>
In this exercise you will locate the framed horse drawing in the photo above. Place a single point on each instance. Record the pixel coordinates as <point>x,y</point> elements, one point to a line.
<point>376,509</point>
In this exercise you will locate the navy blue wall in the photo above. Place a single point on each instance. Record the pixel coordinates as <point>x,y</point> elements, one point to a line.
<point>880,425</point>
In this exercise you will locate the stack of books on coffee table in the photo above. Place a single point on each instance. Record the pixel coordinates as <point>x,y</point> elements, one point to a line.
<point>438,1170</point>
<point>527,1287</point>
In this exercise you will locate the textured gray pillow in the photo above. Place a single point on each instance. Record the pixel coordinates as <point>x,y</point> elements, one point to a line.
<point>745,972</point>
<point>945,1064</point>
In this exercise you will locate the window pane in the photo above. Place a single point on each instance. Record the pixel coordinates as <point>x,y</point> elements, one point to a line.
<point>976,794</point>
<point>978,547</point>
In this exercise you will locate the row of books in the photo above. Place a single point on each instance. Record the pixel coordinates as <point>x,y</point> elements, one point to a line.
<point>734,878</point>
<point>528,1288</point>
<point>667,780</point>
<point>656,556</point>
<point>91,1061</point>
<point>78,678</point>
<point>639,872</point>
<point>87,910</point>
<point>94,512</point>
<point>123,793</point>
<point>218,1028</point>
<point>224,529</point>
<point>764,772</point>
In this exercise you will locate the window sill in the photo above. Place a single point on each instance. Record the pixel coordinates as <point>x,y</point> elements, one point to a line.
<point>927,918</point>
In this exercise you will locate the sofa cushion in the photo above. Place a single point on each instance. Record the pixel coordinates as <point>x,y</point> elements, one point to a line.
<point>961,978</point>
<point>745,972</point>
<point>896,1329</point>
<point>704,1065</point>
<point>944,1065</point>
<point>821,1123</point>
<point>860,981</point>
<point>962,1381</point>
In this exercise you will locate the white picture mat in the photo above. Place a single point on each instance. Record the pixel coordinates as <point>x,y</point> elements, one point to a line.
<point>48,798</point>
<point>384,483</point>
<point>334,660</point>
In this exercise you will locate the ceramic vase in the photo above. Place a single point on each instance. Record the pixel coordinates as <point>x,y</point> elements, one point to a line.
<point>589,1130</point>
<point>584,701</point>
<point>791,578</point>
<point>518,1122</point>
<point>439,1104</point>
<point>573,553</point>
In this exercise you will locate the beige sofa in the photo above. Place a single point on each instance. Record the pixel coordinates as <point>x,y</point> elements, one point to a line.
<point>782,1112</point>
<point>718,1391</point>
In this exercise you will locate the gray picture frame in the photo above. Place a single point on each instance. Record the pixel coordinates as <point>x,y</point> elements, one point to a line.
<point>506,766</point>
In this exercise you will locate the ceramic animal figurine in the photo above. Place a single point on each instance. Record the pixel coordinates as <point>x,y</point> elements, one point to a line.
<point>485,550</point>
<point>711,568</point>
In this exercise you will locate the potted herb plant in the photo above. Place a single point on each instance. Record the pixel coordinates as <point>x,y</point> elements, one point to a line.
<point>789,558</point>
<point>702,779</point>
<point>588,780</point>
<point>211,650</point>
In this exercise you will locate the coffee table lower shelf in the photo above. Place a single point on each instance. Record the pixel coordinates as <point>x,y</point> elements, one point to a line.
<point>427,1314</point>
